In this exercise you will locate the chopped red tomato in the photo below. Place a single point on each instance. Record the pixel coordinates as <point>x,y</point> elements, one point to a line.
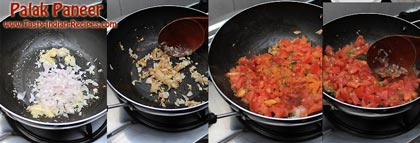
<point>285,82</point>
<point>350,79</point>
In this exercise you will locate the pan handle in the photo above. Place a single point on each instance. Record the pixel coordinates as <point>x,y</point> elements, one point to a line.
<point>410,15</point>
<point>212,118</point>
<point>117,105</point>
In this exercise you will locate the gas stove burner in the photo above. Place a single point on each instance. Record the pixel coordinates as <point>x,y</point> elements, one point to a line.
<point>374,128</point>
<point>170,124</point>
<point>295,134</point>
<point>83,134</point>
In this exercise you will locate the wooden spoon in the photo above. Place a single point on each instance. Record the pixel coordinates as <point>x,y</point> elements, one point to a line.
<point>183,36</point>
<point>393,55</point>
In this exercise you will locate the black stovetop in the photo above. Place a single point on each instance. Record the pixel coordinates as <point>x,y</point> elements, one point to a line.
<point>84,134</point>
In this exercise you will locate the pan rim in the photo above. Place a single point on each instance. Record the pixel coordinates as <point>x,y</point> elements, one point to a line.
<point>55,125</point>
<point>143,105</point>
<point>75,123</point>
<point>360,107</point>
<point>233,103</point>
<point>369,13</point>
<point>154,108</point>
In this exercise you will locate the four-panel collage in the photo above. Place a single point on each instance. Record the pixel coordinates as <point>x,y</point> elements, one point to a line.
<point>209,71</point>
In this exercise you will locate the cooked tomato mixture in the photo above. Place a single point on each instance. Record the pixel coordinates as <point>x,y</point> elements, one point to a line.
<point>348,77</point>
<point>285,82</point>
